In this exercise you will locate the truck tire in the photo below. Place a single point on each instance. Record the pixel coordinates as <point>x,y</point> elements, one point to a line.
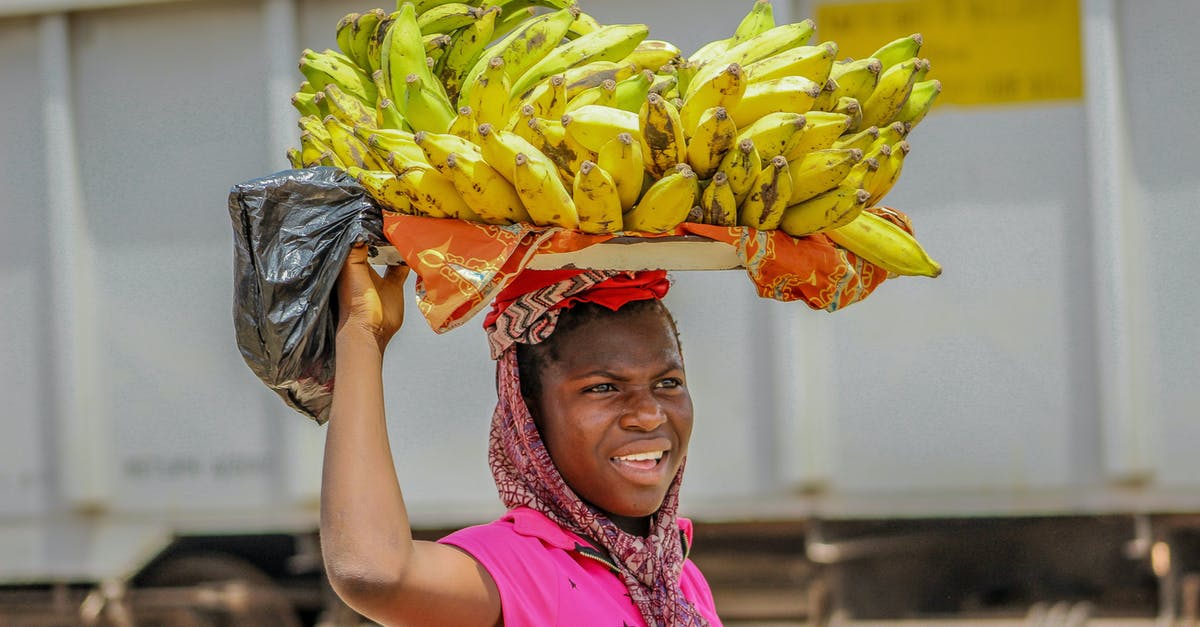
<point>269,606</point>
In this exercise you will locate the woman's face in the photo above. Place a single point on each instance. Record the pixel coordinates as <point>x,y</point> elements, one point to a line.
<point>615,412</point>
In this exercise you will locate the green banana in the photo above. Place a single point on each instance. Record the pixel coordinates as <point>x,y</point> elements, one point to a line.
<point>919,102</point>
<point>856,79</point>
<point>756,48</point>
<point>759,20</point>
<point>447,18</point>
<point>632,92</point>
<point>424,108</point>
<point>330,68</point>
<point>608,43</point>
<point>520,49</point>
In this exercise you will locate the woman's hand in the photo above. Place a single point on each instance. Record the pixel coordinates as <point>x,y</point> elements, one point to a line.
<point>368,303</point>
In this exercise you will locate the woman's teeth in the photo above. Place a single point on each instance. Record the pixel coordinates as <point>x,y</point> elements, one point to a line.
<point>641,457</point>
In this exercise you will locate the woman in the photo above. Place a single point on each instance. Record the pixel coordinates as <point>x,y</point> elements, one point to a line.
<point>587,449</point>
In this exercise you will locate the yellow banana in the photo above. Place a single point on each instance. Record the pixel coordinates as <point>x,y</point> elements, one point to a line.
<point>895,84</point>
<point>608,43</point>
<point>525,45</point>
<point>861,140</point>
<point>879,241</point>
<point>582,25</point>
<point>811,62</point>
<point>306,104</point>
<point>666,203</point>
<point>500,147</point>
<point>889,135</point>
<point>376,24</point>
<point>662,137</point>
<point>348,109</point>
<point>715,135</point>
<point>919,102</point>
<point>899,50</point>
<point>820,171</point>
<point>821,129</point>
<point>398,143</point>
<point>621,158</point>
<point>593,74</point>
<point>632,92</point>
<point>725,89</point>
<point>604,94</point>
<point>295,157</point>
<point>793,94</point>
<point>665,85</point>
<point>404,54</point>
<point>594,125</point>
<point>754,49</point>
<point>717,202</point>
<point>759,20</point>
<point>311,148</point>
<point>850,108</point>
<point>434,193</point>
<point>741,167</point>
<point>548,99</point>
<point>349,148</point>
<point>551,138</point>
<point>769,196</point>
<point>837,207</point>
<point>710,51</point>
<point>345,35</point>
<point>488,96</point>
<point>464,52</point>
<point>491,195</point>
<point>327,158</point>
<point>923,66</point>
<point>315,126</point>
<point>889,172</point>
<point>652,54</point>
<point>542,191</point>
<point>425,108</point>
<point>775,134</point>
<point>332,68</point>
<point>596,200</point>
<point>435,45</point>
<point>384,188</point>
<point>464,124</point>
<point>437,148</point>
<point>856,79</point>
<point>447,17</point>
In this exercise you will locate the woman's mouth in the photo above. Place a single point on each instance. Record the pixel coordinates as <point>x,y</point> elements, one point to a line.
<point>639,465</point>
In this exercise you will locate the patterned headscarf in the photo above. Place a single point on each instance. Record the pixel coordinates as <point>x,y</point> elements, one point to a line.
<point>525,475</point>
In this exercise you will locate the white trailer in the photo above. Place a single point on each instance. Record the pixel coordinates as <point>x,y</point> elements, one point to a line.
<point>1041,395</point>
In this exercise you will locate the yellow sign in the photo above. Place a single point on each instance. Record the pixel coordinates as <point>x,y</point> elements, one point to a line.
<point>983,51</point>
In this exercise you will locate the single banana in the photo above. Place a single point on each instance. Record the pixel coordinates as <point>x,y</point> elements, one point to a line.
<point>666,203</point>
<point>794,94</point>
<point>306,104</point>
<point>759,20</point>
<point>604,94</point>
<point>821,129</point>
<point>465,51</point>
<point>424,6</point>
<point>741,167</point>
<point>899,50</point>
<point>361,30</point>
<point>464,124</point>
<point>589,75</point>
<point>488,96</point>
<point>492,196</point>
<point>820,171</point>
<point>331,68</point>
<point>769,196</point>
<point>850,108</point>
<point>685,72</point>
<point>447,17</point>
<point>715,135</point>
<point>389,115</point>
<point>608,43</point>
<point>528,43</point>
<point>652,54</point>
<point>775,134</point>
<point>311,148</point>
<point>879,241</point>
<point>349,148</point>
<point>725,90</point>
<point>596,200</point>
<point>348,109</point>
<point>551,138</point>
<point>895,84</point>
<point>404,54</point>
<point>632,92</point>
<point>662,137</point>
<point>316,126</point>
<point>861,140</point>
<point>548,99</point>
<point>811,62</point>
<point>888,135</point>
<point>295,157</point>
<point>829,210</point>
<point>856,79</point>
<point>919,102</point>
<point>754,49</point>
<point>665,85</point>
<point>923,67</point>
<point>584,24</point>
<point>425,108</point>
<point>435,44</point>
<point>345,36</point>
<point>710,51</point>
<point>384,188</point>
<point>434,194</point>
<point>542,191</point>
<point>717,202</point>
<point>594,125</point>
<point>376,24</point>
<point>889,172</point>
<point>621,158</point>
<point>500,148</point>
<point>437,148</point>
<point>400,145</point>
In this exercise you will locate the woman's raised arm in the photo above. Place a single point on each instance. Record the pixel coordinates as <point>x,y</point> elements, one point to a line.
<point>370,557</point>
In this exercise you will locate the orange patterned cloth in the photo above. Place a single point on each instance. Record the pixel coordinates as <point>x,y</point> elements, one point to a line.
<point>461,265</point>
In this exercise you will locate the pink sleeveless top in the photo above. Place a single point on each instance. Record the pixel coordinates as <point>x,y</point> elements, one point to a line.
<point>549,576</point>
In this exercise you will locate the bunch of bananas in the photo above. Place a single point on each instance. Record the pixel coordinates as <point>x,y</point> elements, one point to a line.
<point>504,111</point>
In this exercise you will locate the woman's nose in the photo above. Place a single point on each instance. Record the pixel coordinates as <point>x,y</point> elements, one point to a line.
<point>644,411</point>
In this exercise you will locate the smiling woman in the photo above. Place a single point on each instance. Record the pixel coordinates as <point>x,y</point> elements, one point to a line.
<point>587,448</point>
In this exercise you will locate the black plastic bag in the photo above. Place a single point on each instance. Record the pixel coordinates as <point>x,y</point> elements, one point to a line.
<point>292,233</point>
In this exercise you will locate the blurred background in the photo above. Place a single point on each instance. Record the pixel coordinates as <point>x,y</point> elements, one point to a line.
<point>1014,443</point>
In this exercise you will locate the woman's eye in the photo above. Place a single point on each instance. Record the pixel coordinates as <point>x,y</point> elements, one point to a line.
<point>602,387</point>
<point>670,383</point>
